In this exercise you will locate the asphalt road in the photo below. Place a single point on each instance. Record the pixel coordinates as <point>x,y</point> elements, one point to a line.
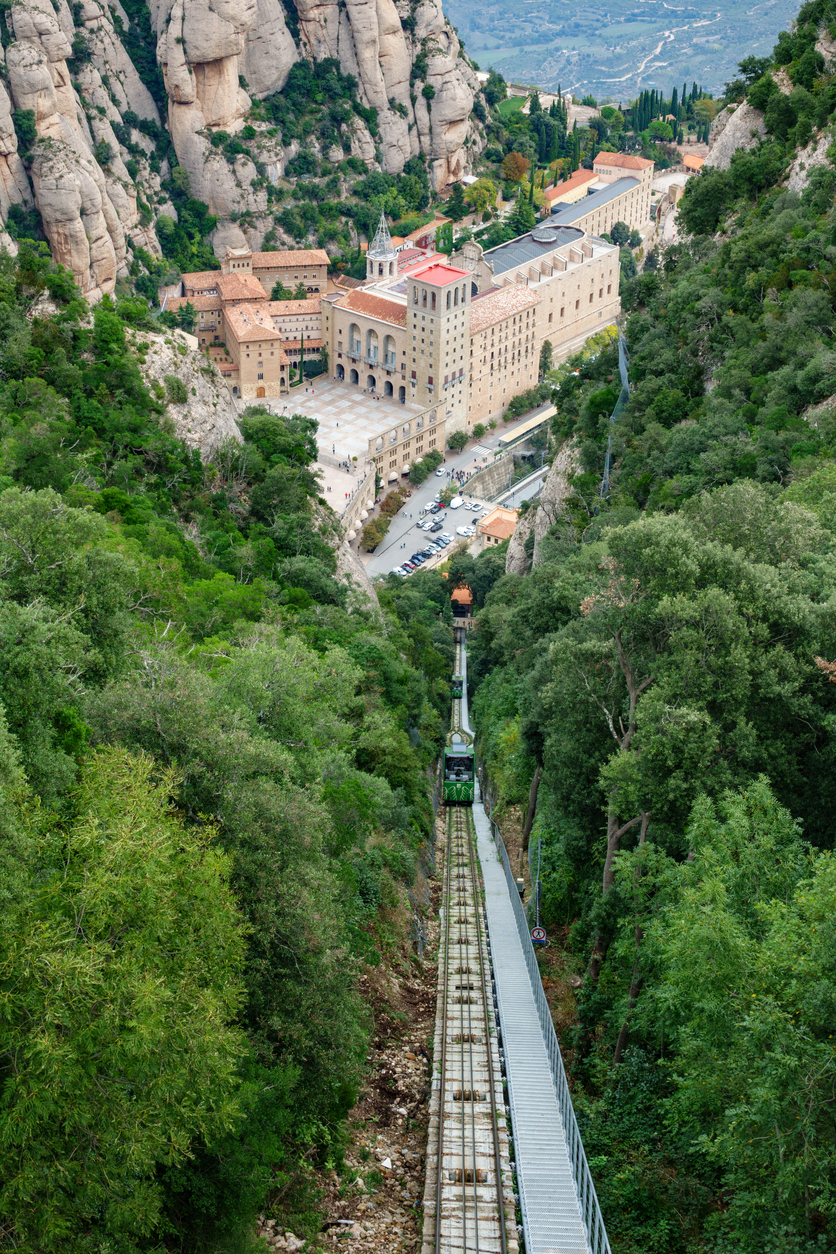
<point>404,536</point>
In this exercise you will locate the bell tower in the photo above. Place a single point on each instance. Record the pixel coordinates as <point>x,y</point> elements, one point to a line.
<point>381,259</point>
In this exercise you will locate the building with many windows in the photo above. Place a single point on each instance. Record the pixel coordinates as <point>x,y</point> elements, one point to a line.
<point>465,333</point>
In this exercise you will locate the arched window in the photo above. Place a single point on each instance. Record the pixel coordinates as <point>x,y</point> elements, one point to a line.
<point>464,292</point>
<point>389,351</point>
<point>415,295</point>
<point>354,340</point>
<point>371,344</point>
<point>449,298</point>
<point>424,297</point>
<point>455,298</point>
<point>432,300</point>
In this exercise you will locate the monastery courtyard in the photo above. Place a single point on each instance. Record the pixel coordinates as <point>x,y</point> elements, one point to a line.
<point>348,417</point>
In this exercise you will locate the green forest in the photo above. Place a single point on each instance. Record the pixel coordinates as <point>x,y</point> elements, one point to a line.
<point>214,772</point>
<point>659,682</point>
<point>216,753</point>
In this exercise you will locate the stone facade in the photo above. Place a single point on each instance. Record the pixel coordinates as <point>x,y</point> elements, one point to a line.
<point>465,333</point>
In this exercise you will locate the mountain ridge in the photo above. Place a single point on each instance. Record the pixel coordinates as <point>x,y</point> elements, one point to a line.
<point>101,104</point>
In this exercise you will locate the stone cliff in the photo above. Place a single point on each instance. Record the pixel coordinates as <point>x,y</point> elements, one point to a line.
<point>80,94</point>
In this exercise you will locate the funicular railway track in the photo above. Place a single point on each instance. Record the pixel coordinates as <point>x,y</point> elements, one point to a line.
<point>468,1201</point>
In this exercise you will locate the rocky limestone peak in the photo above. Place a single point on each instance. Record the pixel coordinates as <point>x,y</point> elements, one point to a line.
<point>97,89</point>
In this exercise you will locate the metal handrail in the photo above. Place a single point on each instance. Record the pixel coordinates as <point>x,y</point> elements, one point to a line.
<point>584,1185</point>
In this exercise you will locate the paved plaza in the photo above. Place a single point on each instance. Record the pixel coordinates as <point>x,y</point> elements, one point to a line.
<point>348,417</point>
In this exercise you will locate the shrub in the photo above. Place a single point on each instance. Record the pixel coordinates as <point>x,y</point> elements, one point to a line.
<point>176,389</point>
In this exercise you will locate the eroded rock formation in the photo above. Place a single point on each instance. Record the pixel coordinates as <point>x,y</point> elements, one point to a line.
<point>93,173</point>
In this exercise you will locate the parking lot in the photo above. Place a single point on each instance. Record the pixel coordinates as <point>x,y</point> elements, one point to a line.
<point>435,532</point>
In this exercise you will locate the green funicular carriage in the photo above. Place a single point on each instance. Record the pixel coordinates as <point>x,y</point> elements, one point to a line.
<point>458,770</point>
<point>457,687</point>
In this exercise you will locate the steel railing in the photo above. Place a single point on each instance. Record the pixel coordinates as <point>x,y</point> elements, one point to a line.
<point>584,1185</point>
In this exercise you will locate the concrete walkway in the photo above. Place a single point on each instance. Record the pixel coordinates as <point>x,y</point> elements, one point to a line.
<point>551,1211</point>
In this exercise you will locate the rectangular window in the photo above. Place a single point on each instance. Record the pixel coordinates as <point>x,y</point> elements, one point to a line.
<point>577,304</point>
<point>609,288</point>
<point>550,317</point>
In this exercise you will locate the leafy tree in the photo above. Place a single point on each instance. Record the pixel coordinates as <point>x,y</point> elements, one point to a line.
<point>456,208</point>
<point>124,1024</point>
<point>515,167</point>
<point>620,233</point>
<point>457,439</point>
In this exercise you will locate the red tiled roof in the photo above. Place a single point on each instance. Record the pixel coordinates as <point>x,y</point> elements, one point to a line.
<point>250,322</point>
<point>298,343</point>
<point>440,275</point>
<point>622,161</point>
<point>198,303</point>
<point>578,179</point>
<point>241,287</point>
<point>503,302</point>
<point>202,278</point>
<point>295,307</point>
<point>374,307</point>
<point>290,257</point>
<point>693,163</point>
<point>503,528</point>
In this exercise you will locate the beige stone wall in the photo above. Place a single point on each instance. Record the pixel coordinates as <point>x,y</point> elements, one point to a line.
<point>313,276</point>
<point>573,300</point>
<point>503,362</point>
<point>409,441</point>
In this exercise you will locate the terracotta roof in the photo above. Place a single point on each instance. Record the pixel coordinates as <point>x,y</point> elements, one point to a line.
<point>241,287</point>
<point>312,306</point>
<point>251,322</point>
<point>298,343</point>
<point>578,179</point>
<point>374,307</point>
<point>398,239</point>
<point>503,528</point>
<point>622,161</point>
<point>693,163</point>
<point>440,275</point>
<point>202,278</point>
<point>502,303</point>
<point>463,596</point>
<point>408,256</point>
<point>346,281</point>
<point>290,257</point>
<point>198,303</point>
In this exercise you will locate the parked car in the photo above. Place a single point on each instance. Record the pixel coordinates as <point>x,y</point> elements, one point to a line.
<point>456,502</point>
<point>465,531</point>
<point>408,567</point>
<point>445,535</point>
<point>439,474</point>
<point>417,559</point>
<point>435,508</point>
<point>436,526</point>
<point>443,541</point>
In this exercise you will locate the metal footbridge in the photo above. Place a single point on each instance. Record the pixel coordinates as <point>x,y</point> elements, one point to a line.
<point>556,1207</point>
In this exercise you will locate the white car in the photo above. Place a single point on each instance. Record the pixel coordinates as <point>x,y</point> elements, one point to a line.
<point>456,502</point>
<point>464,531</point>
<point>445,535</point>
<point>427,525</point>
<point>439,474</point>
